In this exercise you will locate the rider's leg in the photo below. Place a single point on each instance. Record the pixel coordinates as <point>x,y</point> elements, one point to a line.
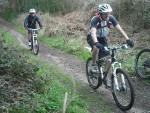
<point>106,79</point>
<point>94,59</point>
<point>108,64</point>
<point>95,54</point>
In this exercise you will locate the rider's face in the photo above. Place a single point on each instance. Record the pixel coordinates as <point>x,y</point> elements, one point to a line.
<point>32,14</point>
<point>104,16</point>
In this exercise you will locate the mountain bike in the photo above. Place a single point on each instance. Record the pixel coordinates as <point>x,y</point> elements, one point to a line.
<point>142,64</point>
<point>121,87</point>
<point>34,41</point>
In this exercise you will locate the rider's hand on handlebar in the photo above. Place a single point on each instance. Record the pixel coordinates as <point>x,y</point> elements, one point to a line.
<point>130,42</point>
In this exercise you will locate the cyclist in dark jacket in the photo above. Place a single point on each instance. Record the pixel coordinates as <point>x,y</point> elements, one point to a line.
<point>30,22</point>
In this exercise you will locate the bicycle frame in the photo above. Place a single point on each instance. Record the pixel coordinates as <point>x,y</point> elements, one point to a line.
<point>120,84</point>
<point>33,37</point>
<point>114,65</point>
<point>33,34</point>
<point>34,41</point>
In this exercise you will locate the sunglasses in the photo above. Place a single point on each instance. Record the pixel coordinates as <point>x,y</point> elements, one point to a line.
<point>104,14</point>
<point>32,13</point>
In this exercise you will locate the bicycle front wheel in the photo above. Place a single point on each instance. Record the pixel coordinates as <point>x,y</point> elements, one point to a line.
<point>35,47</point>
<point>94,79</point>
<point>124,93</point>
<point>142,64</point>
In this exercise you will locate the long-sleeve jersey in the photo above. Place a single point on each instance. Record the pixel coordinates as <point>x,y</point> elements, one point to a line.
<point>30,21</point>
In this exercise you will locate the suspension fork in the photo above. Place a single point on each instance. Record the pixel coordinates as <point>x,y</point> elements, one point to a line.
<point>115,66</point>
<point>101,72</point>
<point>123,81</point>
<point>34,35</point>
<point>33,39</point>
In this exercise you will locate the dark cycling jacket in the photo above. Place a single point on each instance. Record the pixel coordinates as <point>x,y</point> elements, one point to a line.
<point>30,22</point>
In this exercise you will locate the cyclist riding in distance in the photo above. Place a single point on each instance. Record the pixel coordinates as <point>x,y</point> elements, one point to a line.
<point>30,22</point>
<point>99,31</point>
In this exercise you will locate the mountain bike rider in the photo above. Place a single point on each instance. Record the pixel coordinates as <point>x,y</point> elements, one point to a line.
<point>99,31</point>
<point>30,22</point>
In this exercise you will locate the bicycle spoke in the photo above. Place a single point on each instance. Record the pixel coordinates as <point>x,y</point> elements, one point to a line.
<point>94,80</point>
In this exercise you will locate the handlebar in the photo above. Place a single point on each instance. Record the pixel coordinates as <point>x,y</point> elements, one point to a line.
<point>30,29</point>
<point>122,46</point>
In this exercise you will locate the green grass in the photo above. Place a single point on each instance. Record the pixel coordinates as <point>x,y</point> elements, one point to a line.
<point>71,46</point>
<point>8,38</point>
<point>127,61</point>
<point>52,90</point>
<point>50,87</point>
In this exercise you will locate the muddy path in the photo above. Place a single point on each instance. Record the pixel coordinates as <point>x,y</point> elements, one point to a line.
<point>70,65</point>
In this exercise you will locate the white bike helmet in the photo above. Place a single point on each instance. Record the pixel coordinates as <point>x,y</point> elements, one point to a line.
<point>32,11</point>
<point>104,8</point>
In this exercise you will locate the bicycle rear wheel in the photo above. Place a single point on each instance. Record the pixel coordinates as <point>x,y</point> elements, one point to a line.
<point>142,64</point>
<point>94,79</point>
<point>35,47</point>
<point>124,94</point>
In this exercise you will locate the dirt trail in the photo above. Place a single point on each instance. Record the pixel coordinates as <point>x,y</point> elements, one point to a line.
<point>71,65</point>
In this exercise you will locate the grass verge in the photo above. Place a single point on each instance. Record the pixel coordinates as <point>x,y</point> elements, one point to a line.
<point>71,46</point>
<point>48,88</point>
